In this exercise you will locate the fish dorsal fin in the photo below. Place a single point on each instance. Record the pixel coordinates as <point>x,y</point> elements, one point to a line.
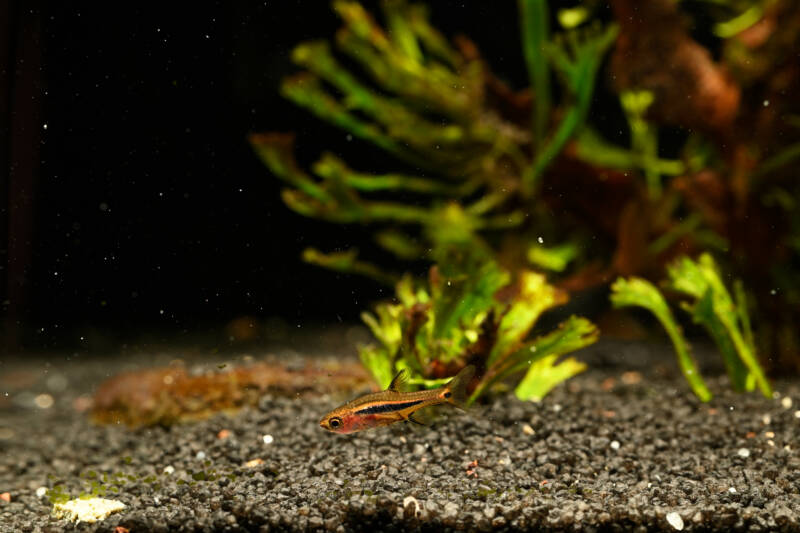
<point>399,381</point>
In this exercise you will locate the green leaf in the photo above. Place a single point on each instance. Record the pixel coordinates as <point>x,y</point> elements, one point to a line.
<point>534,17</point>
<point>545,374</point>
<point>400,30</point>
<point>400,244</point>
<point>533,296</point>
<point>276,151</point>
<point>702,313</point>
<point>571,335</point>
<point>555,258</point>
<point>701,280</point>
<point>379,363</point>
<point>579,68</point>
<point>644,137</point>
<point>331,167</point>
<point>348,262</point>
<point>738,24</point>
<point>544,371</point>
<point>459,298</point>
<point>594,149</point>
<point>641,293</point>
<point>386,326</point>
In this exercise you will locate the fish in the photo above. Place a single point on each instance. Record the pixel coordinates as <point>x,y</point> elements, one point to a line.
<point>392,405</point>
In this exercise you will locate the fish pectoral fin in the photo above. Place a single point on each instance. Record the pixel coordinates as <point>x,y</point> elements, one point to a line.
<point>414,420</point>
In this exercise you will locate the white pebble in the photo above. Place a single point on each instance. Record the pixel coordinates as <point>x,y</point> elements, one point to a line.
<point>766,420</point>
<point>44,401</point>
<point>675,520</point>
<point>527,429</point>
<point>786,402</point>
<point>732,490</point>
<point>615,445</point>
<point>797,414</point>
<point>743,452</point>
<point>169,469</point>
<point>408,500</point>
<point>200,456</point>
<point>87,510</point>
<point>41,491</point>
<point>268,439</point>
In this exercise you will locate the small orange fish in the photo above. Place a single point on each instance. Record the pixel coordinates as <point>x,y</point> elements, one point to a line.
<point>392,405</point>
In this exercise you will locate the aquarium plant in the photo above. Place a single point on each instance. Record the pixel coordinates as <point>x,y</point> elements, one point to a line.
<point>531,180</point>
<point>710,305</point>
<point>475,315</point>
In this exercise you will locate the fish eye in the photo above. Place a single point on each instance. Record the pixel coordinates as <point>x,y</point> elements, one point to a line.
<point>448,394</point>
<point>335,422</point>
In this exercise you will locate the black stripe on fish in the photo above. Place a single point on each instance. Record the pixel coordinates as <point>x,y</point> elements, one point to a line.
<point>387,407</point>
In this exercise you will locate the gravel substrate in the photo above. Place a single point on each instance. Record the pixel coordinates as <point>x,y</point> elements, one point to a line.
<point>610,451</point>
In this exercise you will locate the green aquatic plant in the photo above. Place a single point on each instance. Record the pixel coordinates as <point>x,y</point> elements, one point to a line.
<point>710,305</point>
<point>439,109</point>
<point>533,179</point>
<point>475,315</point>
<point>641,293</point>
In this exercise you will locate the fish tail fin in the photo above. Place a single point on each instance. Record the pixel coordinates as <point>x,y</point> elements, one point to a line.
<point>458,386</point>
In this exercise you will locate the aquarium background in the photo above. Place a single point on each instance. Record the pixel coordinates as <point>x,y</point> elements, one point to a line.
<point>135,207</point>
<point>148,212</point>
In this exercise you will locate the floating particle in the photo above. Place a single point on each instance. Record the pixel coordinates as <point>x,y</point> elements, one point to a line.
<point>786,402</point>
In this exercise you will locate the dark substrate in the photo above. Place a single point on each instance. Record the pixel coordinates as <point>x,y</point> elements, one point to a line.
<point>603,453</point>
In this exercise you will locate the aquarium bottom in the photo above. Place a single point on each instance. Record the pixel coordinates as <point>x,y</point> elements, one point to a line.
<point>623,446</point>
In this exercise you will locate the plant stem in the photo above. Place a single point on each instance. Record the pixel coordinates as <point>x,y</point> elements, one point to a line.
<point>535,17</point>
